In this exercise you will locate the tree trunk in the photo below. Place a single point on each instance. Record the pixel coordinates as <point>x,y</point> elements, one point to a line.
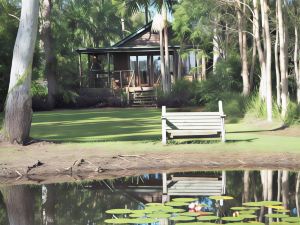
<point>203,67</point>
<point>167,57</point>
<point>283,59</point>
<point>162,61</point>
<point>243,47</point>
<point>19,201</point>
<point>254,50</point>
<point>50,59</point>
<point>268,52</point>
<point>216,48</point>
<point>261,55</point>
<point>297,64</point>
<point>297,193</point>
<point>278,89</point>
<point>18,112</point>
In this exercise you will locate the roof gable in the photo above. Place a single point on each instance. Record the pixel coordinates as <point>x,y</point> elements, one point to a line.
<point>142,37</point>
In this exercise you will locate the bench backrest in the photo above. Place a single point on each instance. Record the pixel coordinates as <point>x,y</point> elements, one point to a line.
<point>194,120</point>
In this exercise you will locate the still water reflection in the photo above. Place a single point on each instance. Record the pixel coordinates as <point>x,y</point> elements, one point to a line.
<point>86,203</point>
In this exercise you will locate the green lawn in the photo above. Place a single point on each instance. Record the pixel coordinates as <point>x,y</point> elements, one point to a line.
<point>122,128</point>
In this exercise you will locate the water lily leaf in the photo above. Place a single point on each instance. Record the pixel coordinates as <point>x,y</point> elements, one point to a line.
<point>159,215</point>
<point>178,204</point>
<point>247,212</point>
<point>232,219</point>
<point>196,223</point>
<point>275,206</point>
<point>255,223</point>
<point>118,221</point>
<point>253,208</point>
<point>217,198</point>
<point>158,208</point>
<point>262,203</point>
<point>141,211</point>
<point>136,215</point>
<point>154,204</point>
<point>207,218</point>
<point>280,223</point>
<point>248,216</point>
<point>118,211</point>
<point>189,214</point>
<point>184,199</point>
<point>239,208</point>
<point>278,216</point>
<point>282,210</point>
<point>143,220</point>
<point>182,218</point>
<point>174,210</point>
<point>205,213</point>
<point>291,219</point>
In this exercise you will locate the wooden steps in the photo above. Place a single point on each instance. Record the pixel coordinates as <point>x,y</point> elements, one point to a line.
<point>143,98</point>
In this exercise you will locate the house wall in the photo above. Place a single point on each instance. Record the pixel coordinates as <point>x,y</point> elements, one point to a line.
<point>146,39</point>
<point>121,61</point>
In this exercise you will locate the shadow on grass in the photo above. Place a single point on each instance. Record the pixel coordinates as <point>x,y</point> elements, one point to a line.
<point>210,141</point>
<point>258,131</point>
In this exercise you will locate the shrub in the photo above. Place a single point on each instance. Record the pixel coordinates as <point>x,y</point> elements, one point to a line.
<point>183,93</point>
<point>293,114</point>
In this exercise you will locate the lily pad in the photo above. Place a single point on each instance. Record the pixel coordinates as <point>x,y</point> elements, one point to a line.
<point>262,203</point>
<point>232,219</point>
<point>277,216</point>
<point>239,208</point>
<point>136,215</point>
<point>118,211</point>
<point>154,204</point>
<point>184,199</point>
<point>207,218</point>
<point>248,216</point>
<point>177,204</point>
<point>159,215</point>
<point>141,211</point>
<point>143,220</point>
<point>196,223</point>
<point>255,223</point>
<point>118,221</point>
<point>189,214</point>
<point>247,212</point>
<point>280,223</point>
<point>217,198</point>
<point>275,206</point>
<point>158,208</point>
<point>282,210</point>
<point>174,211</point>
<point>291,219</point>
<point>182,218</point>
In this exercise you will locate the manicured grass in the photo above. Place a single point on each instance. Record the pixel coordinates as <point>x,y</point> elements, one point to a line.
<point>125,129</point>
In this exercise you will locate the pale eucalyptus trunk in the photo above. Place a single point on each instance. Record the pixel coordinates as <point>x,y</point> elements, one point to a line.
<point>279,185</point>
<point>260,51</point>
<point>278,88</point>
<point>47,44</point>
<point>216,47</point>
<point>166,45</point>
<point>203,67</point>
<point>297,193</point>
<point>253,64</point>
<point>243,46</point>
<point>283,59</point>
<point>268,53</point>
<point>297,63</point>
<point>162,61</point>
<point>18,112</point>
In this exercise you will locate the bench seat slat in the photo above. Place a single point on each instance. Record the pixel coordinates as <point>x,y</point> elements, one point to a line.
<point>198,120</point>
<point>214,128</point>
<point>192,114</point>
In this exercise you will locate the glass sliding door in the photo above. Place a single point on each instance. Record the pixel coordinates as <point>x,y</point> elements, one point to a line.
<point>143,71</point>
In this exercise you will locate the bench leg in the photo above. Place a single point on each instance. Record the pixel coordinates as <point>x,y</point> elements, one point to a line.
<point>164,137</point>
<point>223,137</point>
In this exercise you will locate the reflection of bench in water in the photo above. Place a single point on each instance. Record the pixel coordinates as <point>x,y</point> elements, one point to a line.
<point>194,186</point>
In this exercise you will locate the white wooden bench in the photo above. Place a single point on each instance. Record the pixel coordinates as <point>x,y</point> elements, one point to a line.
<point>192,124</point>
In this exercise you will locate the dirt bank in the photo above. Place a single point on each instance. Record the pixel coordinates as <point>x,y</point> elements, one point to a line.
<point>48,163</point>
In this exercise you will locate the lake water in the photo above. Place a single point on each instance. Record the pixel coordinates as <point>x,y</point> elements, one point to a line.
<point>86,203</point>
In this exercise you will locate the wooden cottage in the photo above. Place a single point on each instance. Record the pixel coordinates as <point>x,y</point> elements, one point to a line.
<point>131,65</point>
